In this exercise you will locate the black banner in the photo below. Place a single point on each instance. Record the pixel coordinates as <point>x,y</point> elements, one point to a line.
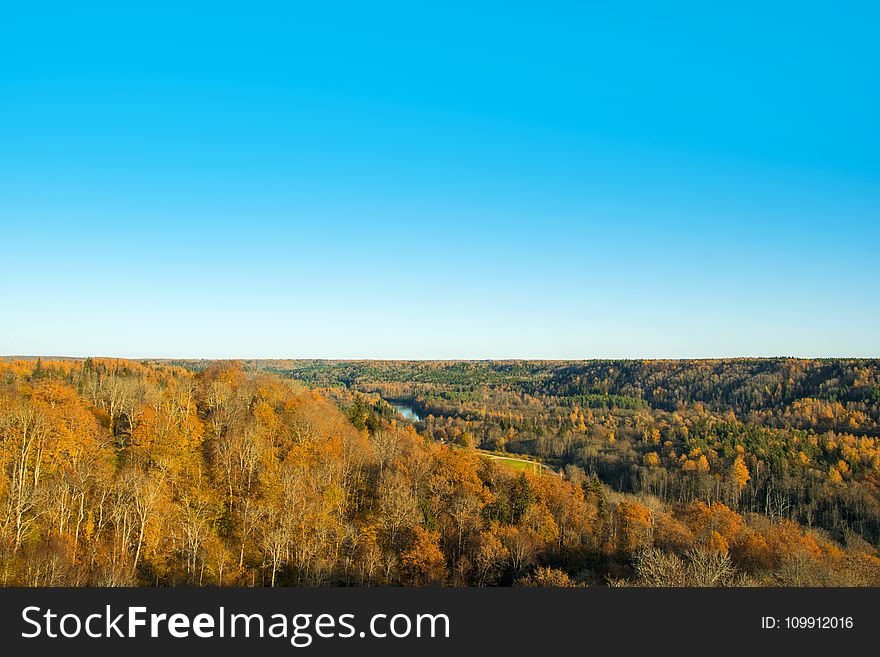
<point>332,621</point>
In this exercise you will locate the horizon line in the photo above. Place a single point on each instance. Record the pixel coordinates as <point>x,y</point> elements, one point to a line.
<point>433,359</point>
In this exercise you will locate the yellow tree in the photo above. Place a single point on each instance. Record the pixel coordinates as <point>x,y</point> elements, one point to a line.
<point>423,563</point>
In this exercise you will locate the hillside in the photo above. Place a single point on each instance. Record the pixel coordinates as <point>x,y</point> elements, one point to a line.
<point>709,473</point>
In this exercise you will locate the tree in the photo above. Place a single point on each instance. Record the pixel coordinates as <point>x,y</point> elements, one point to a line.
<point>740,472</point>
<point>423,563</point>
<point>546,576</point>
<point>634,526</point>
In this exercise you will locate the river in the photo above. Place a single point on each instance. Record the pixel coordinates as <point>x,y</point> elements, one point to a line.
<point>406,411</point>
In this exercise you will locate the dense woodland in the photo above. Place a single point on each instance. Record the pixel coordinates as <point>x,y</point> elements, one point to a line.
<point>271,473</point>
<point>787,438</point>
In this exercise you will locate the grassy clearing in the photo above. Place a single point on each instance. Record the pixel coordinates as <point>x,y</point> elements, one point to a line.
<point>517,464</point>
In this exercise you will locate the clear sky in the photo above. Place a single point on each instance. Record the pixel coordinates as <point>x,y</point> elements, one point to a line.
<point>440,180</point>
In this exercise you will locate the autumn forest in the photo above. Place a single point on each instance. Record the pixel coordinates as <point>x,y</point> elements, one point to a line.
<point>740,472</point>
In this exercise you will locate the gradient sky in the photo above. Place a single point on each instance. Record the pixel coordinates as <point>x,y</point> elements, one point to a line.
<point>440,180</point>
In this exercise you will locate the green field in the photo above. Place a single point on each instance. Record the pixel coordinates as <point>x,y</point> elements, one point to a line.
<point>516,464</point>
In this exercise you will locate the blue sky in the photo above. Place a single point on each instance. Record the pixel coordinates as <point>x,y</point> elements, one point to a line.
<point>440,180</point>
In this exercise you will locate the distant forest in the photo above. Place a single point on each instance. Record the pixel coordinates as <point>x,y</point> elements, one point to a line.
<point>737,472</point>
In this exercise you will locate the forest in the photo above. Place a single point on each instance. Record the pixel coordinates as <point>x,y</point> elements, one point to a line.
<point>741,472</point>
